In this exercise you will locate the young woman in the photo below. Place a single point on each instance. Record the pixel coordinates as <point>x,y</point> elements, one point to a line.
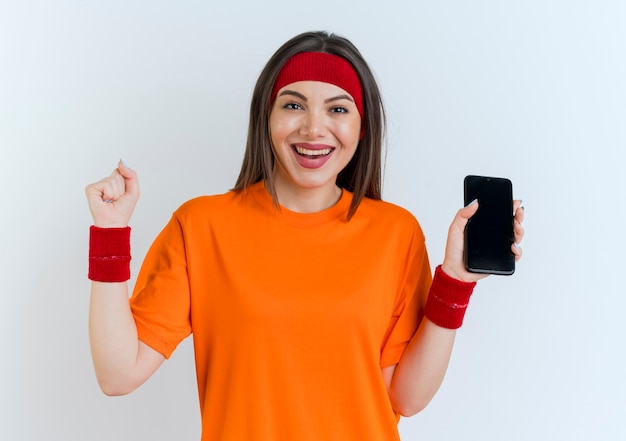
<point>312,302</point>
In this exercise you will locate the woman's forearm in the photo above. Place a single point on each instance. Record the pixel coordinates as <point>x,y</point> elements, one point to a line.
<point>422,368</point>
<point>121,361</point>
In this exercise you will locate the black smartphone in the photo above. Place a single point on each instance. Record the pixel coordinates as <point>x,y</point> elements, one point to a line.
<point>489,233</point>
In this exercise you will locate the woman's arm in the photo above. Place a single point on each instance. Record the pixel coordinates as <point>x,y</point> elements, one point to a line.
<point>413,382</point>
<point>121,361</point>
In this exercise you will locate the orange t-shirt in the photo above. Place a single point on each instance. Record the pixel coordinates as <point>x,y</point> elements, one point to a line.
<point>293,315</point>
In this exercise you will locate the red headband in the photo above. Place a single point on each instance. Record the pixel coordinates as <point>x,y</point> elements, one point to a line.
<point>324,67</point>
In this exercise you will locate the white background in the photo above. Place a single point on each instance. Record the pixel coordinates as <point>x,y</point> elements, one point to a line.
<point>534,91</point>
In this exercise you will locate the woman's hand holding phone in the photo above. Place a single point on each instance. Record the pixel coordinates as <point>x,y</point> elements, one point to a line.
<point>470,259</point>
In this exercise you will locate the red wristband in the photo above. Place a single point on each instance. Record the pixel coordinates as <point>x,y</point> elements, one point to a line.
<point>447,300</point>
<point>109,254</point>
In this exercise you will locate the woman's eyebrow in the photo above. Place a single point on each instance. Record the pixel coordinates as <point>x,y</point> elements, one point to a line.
<point>294,93</point>
<point>339,97</point>
<point>328,100</point>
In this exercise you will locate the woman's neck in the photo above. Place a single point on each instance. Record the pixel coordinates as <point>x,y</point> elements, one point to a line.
<point>306,200</point>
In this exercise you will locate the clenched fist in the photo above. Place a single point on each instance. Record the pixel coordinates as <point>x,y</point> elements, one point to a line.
<point>112,200</point>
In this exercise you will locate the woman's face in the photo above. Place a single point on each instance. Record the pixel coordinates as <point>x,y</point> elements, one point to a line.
<point>314,128</point>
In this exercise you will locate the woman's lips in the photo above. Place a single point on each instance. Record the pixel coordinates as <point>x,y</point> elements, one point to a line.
<point>312,155</point>
<point>312,152</point>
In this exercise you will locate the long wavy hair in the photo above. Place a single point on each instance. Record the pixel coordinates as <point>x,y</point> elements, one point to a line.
<point>363,174</point>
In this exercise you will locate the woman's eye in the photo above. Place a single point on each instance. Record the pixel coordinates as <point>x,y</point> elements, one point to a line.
<point>292,106</point>
<point>339,110</point>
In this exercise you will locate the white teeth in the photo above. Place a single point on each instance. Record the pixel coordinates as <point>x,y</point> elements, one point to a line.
<point>303,151</point>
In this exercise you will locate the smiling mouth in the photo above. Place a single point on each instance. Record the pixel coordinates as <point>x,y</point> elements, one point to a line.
<point>309,153</point>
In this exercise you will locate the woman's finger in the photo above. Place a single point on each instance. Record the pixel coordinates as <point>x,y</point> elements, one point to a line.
<point>517,251</point>
<point>112,188</point>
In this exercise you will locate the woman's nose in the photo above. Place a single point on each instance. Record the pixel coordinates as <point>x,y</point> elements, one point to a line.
<point>313,125</point>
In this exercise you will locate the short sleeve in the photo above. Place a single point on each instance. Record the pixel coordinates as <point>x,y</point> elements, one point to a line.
<point>160,302</point>
<point>409,307</point>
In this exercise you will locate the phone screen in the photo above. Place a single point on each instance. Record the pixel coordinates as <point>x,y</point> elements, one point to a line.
<point>489,233</point>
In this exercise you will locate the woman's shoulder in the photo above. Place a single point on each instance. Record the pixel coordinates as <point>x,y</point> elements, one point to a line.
<point>389,213</point>
<point>235,199</point>
<point>205,205</point>
<point>388,209</point>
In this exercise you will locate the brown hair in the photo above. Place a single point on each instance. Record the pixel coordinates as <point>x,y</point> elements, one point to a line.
<point>362,175</point>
